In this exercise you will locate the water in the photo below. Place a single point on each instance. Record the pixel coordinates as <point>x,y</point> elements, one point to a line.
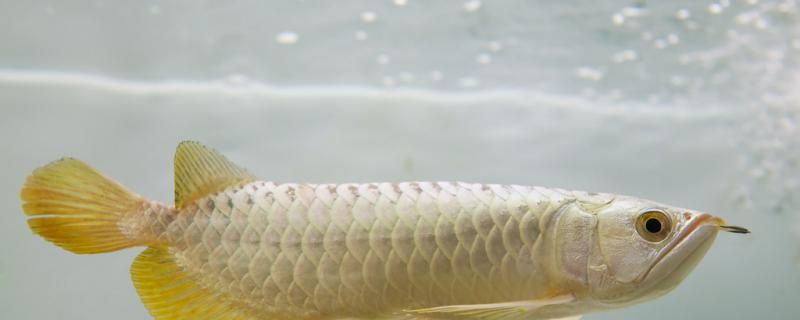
<point>689,103</point>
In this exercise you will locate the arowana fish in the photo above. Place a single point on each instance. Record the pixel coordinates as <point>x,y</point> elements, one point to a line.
<point>236,247</point>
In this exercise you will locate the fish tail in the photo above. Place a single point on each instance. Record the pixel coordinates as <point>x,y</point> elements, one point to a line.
<point>79,209</point>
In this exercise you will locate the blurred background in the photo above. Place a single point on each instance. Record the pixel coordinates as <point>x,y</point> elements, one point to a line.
<point>691,103</point>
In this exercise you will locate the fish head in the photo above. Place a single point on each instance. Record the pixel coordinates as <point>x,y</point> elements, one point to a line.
<point>643,249</point>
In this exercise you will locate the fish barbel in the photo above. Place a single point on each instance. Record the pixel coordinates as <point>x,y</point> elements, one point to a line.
<point>236,247</point>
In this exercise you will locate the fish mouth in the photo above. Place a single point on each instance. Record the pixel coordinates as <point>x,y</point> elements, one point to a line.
<point>680,257</point>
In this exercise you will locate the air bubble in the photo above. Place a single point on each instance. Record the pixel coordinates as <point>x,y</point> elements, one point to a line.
<point>406,77</point>
<point>715,8</point>
<point>589,73</point>
<point>745,18</point>
<point>383,59</point>
<point>472,5</point>
<point>287,38</point>
<point>673,39</point>
<point>484,58</point>
<point>787,7</point>
<point>683,14</point>
<point>618,19</point>
<point>624,56</point>
<point>633,11</point>
<point>369,16</point>
<point>468,82</point>
<point>677,81</point>
<point>389,81</point>
<point>400,3</point>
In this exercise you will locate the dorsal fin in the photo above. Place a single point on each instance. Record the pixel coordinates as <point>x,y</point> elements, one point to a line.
<point>200,170</point>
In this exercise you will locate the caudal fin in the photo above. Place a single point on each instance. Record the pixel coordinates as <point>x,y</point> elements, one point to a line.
<point>77,208</point>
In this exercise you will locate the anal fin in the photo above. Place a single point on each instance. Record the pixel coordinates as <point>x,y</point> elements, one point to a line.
<point>170,293</point>
<point>516,310</point>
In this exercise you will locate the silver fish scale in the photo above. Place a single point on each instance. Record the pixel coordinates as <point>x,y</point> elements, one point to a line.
<point>363,249</point>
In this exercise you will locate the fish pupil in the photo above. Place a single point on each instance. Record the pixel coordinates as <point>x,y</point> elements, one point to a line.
<point>653,225</point>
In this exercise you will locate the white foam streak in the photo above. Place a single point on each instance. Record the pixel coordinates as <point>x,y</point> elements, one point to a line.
<point>499,97</point>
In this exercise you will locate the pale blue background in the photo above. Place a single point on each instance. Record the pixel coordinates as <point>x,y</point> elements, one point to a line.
<point>698,110</point>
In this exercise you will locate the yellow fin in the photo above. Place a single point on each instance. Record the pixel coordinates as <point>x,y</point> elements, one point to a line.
<point>516,310</point>
<point>169,292</point>
<point>200,171</point>
<point>77,208</point>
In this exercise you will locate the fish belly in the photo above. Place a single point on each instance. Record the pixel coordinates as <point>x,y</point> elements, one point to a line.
<point>364,250</point>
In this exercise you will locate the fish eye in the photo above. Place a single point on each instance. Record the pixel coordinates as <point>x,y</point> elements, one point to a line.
<point>653,225</point>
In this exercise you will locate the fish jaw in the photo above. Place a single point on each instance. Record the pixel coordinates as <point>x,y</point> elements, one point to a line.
<point>677,260</point>
<point>694,236</point>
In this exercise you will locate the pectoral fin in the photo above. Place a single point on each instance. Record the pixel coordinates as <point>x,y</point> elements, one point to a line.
<point>493,311</point>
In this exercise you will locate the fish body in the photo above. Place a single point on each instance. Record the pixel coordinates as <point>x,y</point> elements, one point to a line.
<point>235,247</point>
<point>368,249</point>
